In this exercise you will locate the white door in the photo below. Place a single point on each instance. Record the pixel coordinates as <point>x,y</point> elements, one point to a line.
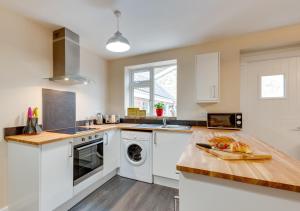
<point>270,100</point>
<point>167,149</point>
<point>111,151</point>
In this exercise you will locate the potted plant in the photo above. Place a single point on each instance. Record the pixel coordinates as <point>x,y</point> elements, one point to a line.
<point>159,109</point>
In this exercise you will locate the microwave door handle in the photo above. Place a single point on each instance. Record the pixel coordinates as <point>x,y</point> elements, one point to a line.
<point>90,145</point>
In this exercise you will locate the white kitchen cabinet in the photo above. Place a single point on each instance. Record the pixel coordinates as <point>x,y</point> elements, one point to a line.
<point>111,151</point>
<point>56,174</point>
<point>207,69</point>
<point>167,149</point>
<point>40,177</point>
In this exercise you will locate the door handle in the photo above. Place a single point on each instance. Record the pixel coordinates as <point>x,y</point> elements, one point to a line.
<point>89,145</point>
<point>214,90</point>
<point>155,142</point>
<point>211,92</point>
<point>71,149</point>
<point>106,139</point>
<point>176,198</point>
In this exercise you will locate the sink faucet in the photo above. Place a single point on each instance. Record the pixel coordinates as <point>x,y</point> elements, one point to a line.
<point>165,122</point>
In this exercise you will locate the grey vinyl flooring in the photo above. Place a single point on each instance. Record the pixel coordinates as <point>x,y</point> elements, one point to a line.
<point>122,194</point>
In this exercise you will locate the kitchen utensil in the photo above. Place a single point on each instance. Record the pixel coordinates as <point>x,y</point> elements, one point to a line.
<point>99,119</point>
<point>112,119</point>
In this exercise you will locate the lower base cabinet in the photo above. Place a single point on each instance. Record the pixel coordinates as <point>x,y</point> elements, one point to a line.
<point>40,178</point>
<point>111,151</point>
<point>167,149</point>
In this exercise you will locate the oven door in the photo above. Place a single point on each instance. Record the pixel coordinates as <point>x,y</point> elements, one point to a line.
<point>88,160</point>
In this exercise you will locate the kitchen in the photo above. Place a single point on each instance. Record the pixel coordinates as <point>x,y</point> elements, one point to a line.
<point>26,65</point>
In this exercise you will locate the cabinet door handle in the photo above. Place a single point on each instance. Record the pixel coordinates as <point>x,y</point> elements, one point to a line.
<point>106,139</point>
<point>71,149</point>
<point>214,91</point>
<point>155,142</point>
<point>214,88</point>
<point>176,198</point>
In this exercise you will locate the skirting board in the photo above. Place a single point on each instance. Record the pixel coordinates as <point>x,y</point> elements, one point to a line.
<point>4,209</point>
<point>172,183</point>
<point>80,196</point>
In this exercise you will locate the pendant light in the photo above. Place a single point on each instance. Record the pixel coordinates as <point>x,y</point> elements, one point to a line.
<point>117,43</point>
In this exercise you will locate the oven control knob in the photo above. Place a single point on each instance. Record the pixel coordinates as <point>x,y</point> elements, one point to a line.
<point>83,139</point>
<point>238,122</point>
<point>238,117</point>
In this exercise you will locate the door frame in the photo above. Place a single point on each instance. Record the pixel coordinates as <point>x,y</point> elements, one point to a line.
<point>269,54</point>
<point>259,56</point>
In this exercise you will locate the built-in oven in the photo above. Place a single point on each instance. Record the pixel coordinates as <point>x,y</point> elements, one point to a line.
<point>88,157</point>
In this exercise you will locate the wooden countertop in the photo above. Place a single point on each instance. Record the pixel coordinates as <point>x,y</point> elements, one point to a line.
<point>50,137</point>
<point>282,172</point>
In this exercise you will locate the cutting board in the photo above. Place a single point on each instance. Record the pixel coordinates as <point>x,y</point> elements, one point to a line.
<point>235,156</point>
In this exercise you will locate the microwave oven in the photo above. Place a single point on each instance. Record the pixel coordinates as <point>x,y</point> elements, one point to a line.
<point>232,121</point>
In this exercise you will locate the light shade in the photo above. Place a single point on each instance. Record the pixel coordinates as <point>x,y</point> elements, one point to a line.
<point>117,43</point>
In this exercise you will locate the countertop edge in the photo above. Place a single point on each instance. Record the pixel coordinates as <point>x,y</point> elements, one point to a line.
<point>247,180</point>
<point>109,127</point>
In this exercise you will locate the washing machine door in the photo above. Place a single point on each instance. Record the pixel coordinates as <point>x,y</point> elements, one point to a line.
<point>136,153</point>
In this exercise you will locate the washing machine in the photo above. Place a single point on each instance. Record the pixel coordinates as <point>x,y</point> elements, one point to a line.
<point>136,155</point>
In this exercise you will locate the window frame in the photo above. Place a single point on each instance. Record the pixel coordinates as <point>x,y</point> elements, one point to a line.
<point>147,83</point>
<point>273,98</point>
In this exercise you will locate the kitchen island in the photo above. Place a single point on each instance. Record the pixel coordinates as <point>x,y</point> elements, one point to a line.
<point>209,183</point>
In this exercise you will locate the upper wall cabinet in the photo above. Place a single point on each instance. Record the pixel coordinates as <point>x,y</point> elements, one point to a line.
<point>208,77</point>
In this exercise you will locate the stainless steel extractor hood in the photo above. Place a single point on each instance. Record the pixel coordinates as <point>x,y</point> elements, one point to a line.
<point>66,58</point>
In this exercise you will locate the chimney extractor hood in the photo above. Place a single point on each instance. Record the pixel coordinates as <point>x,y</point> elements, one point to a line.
<point>66,58</point>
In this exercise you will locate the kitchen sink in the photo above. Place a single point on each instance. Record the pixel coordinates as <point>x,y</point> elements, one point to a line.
<point>175,127</point>
<point>148,126</point>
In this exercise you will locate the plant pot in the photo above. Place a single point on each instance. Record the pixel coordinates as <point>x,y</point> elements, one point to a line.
<point>159,112</point>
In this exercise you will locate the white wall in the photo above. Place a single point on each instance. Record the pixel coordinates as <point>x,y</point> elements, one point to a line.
<point>25,60</point>
<point>230,49</point>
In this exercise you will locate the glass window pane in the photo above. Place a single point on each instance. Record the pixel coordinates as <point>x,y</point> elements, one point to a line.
<point>165,88</point>
<point>272,86</point>
<point>141,76</point>
<point>141,98</point>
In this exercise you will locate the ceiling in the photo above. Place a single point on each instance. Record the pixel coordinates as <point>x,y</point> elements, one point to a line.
<point>154,25</point>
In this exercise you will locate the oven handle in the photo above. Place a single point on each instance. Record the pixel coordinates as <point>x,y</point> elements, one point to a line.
<point>90,145</point>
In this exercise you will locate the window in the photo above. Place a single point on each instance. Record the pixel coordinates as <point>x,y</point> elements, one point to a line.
<point>273,86</point>
<point>152,84</point>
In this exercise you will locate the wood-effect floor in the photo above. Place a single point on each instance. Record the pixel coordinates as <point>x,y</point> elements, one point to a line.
<point>122,194</point>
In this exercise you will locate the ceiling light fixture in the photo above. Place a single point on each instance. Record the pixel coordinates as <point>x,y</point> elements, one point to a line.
<point>117,43</point>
